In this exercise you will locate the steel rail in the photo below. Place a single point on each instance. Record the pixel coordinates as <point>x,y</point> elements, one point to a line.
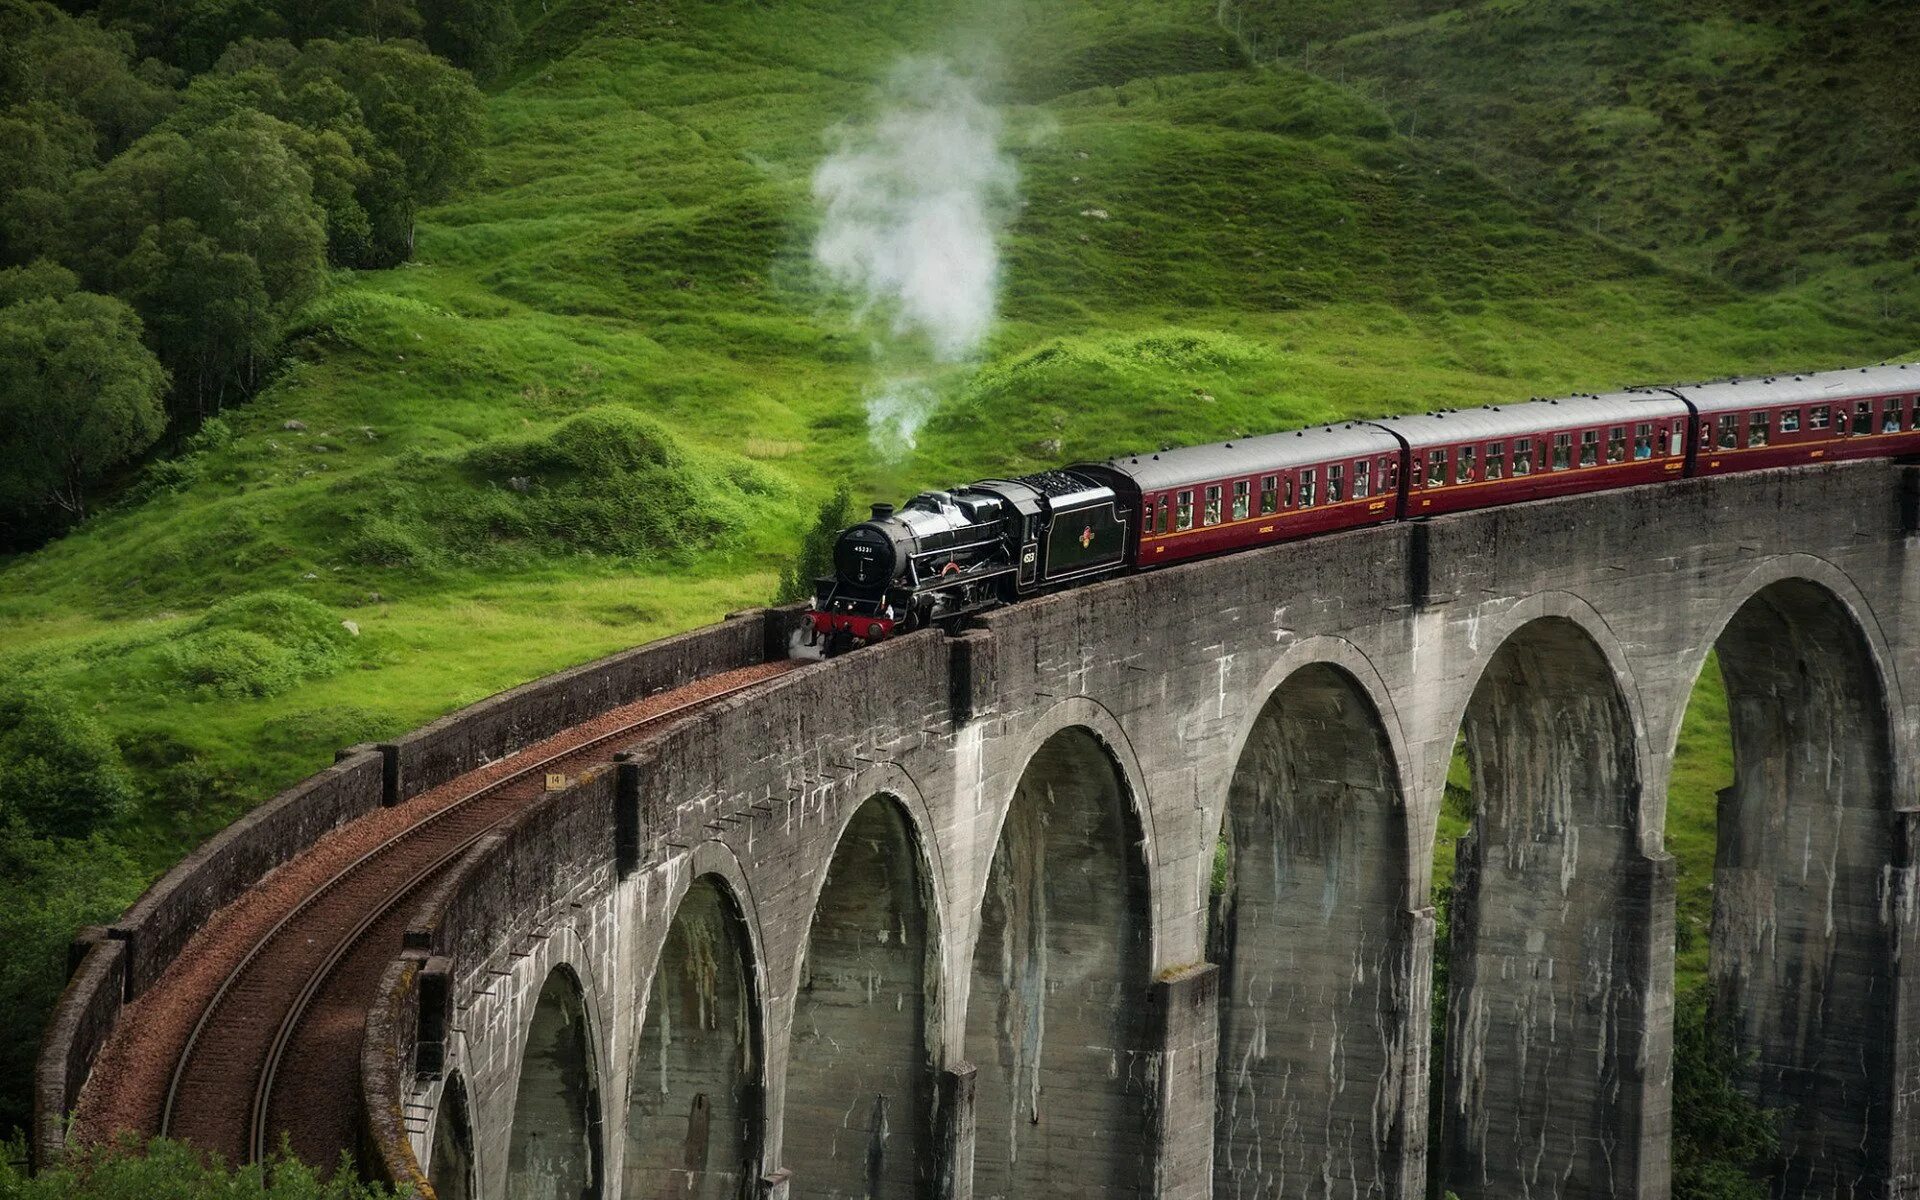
<point>263,1088</point>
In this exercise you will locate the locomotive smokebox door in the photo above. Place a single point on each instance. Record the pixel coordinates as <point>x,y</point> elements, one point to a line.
<point>1085,538</point>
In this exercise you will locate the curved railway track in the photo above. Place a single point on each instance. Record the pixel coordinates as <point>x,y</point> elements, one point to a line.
<point>276,1048</point>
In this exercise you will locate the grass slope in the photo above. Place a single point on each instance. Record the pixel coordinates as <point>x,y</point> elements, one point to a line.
<point>481,460</point>
<point>1769,142</point>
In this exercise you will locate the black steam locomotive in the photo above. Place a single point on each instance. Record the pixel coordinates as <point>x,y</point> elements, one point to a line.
<point>946,554</point>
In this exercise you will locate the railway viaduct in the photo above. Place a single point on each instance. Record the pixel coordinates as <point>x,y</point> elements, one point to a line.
<point>946,917</point>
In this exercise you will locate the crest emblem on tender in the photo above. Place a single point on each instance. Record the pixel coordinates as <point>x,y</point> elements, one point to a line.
<point>1086,537</point>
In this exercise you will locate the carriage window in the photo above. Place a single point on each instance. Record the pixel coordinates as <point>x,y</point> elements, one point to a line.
<point>1562,451</point>
<point>1523,456</point>
<point>1184,518</point>
<point>1758,425</point>
<point>1436,467</point>
<point>1242,496</point>
<point>1730,431</point>
<point>1269,495</point>
<point>1590,447</point>
<point>1390,468</point>
<point>1163,514</point>
<point>1496,460</point>
<point>1790,421</point>
<point>1212,514</point>
<point>1863,417</point>
<point>1679,437</point>
<point>1306,488</point>
<point>1286,481</point>
<point>1890,423</point>
<point>1360,480</point>
<point>1617,444</point>
<point>1817,417</point>
<point>1336,483</point>
<point>1915,423</point>
<point>1463,465</point>
<point>1642,441</point>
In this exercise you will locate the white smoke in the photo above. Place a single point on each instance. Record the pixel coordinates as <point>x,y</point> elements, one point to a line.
<point>913,202</point>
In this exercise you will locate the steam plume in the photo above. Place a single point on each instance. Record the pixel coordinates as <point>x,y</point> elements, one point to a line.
<point>913,202</point>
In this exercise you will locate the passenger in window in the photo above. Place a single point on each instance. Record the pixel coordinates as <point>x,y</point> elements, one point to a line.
<point>1212,514</point>
<point>1817,417</point>
<point>1336,483</point>
<point>1242,496</point>
<point>1890,423</point>
<point>1523,456</point>
<point>1307,488</point>
<point>1185,516</point>
<point>1463,465</point>
<point>1790,421</point>
<point>1757,426</point>
<point>1617,444</point>
<point>1360,480</point>
<point>1863,417</point>
<point>1496,460</point>
<point>1562,451</point>
<point>1269,495</point>
<point>1642,441</point>
<point>1730,431</point>
<point>1436,467</point>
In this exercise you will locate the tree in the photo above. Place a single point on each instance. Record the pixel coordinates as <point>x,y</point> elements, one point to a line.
<point>42,148</point>
<point>425,118</point>
<point>82,69</point>
<point>79,392</point>
<point>215,238</point>
<point>477,34</point>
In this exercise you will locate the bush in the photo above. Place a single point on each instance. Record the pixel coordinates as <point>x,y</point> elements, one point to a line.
<point>815,556</point>
<point>1724,1144</point>
<point>48,889</point>
<point>164,1170</point>
<point>258,645</point>
<point>60,774</point>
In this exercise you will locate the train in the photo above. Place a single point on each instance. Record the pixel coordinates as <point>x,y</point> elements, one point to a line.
<point>944,555</point>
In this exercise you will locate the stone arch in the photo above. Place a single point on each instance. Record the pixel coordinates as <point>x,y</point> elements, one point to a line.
<point>695,1099</point>
<point>450,1167</point>
<point>1550,912</point>
<point>1057,1017</point>
<point>1310,932</point>
<point>859,1093</point>
<point>555,1147</point>
<point>1800,936</point>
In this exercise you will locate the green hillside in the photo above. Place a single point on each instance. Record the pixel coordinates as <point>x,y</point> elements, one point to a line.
<point>1769,143</point>
<point>610,390</point>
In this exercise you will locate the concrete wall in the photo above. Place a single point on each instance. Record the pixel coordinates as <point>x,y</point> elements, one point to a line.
<point>1067,769</point>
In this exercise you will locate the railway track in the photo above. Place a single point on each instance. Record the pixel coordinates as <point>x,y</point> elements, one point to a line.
<point>275,1051</point>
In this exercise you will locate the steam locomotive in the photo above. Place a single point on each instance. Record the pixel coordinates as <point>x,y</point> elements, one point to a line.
<point>946,554</point>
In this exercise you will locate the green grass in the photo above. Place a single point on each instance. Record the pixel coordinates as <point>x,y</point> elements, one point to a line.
<point>635,256</point>
<point>1766,142</point>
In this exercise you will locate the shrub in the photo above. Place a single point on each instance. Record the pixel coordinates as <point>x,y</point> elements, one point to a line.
<point>164,1170</point>
<point>258,645</point>
<point>60,774</point>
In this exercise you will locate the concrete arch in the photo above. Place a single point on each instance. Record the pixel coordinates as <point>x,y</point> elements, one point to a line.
<point>1313,946</point>
<point>1372,686</point>
<point>555,1147</point>
<point>859,1088</point>
<point>695,1088</point>
<point>1090,715</point>
<point>1550,916</point>
<point>451,1165</point>
<point>1489,636</point>
<point>1057,1020</point>
<point>1805,847</point>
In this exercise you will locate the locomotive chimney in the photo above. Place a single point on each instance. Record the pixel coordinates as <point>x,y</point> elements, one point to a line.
<point>882,511</point>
